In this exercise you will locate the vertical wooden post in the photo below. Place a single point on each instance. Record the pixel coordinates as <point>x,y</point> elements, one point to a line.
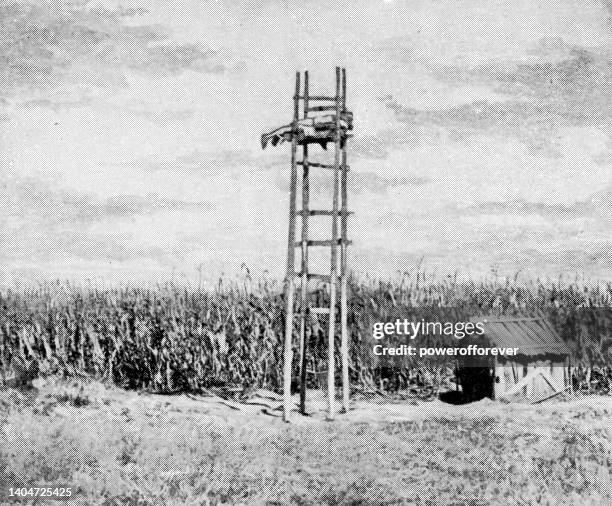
<point>343,265</point>
<point>289,280</point>
<point>529,388</point>
<point>568,370</point>
<point>331,372</point>
<point>558,375</point>
<point>304,299</point>
<point>499,386</point>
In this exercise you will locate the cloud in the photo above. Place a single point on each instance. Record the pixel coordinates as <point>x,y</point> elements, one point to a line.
<point>29,202</point>
<point>517,234</point>
<point>222,162</point>
<point>513,254</point>
<point>228,158</point>
<point>568,86</point>
<point>597,205</point>
<point>55,105</point>
<point>129,205</point>
<point>162,116</point>
<point>72,50</point>
<point>378,146</point>
<point>469,244</point>
<point>523,208</point>
<point>399,49</point>
<point>42,222</point>
<point>492,253</point>
<point>173,58</point>
<point>95,247</point>
<point>516,220</point>
<point>518,120</point>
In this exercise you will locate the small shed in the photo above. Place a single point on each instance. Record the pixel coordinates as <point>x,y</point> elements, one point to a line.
<point>539,369</point>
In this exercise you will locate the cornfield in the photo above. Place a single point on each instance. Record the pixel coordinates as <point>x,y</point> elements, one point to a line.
<point>169,338</point>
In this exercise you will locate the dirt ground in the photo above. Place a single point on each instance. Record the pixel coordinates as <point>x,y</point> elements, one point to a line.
<point>122,447</point>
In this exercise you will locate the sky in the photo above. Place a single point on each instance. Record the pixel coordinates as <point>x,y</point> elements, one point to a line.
<point>129,135</point>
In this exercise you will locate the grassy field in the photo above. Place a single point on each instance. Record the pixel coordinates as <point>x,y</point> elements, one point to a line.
<point>123,448</point>
<point>122,439</point>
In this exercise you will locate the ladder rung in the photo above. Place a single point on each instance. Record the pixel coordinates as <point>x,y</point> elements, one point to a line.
<point>318,98</point>
<point>321,277</point>
<point>319,310</point>
<point>324,213</point>
<point>324,165</point>
<point>321,108</point>
<point>322,243</point>
<point>321,98</point>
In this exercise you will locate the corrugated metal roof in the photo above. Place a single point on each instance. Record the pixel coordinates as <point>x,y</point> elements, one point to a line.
<point>533,336</point>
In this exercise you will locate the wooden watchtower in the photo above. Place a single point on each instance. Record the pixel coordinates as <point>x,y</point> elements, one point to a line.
<point>317,120</point>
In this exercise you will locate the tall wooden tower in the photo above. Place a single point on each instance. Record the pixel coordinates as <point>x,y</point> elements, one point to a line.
<point>317,120</point>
